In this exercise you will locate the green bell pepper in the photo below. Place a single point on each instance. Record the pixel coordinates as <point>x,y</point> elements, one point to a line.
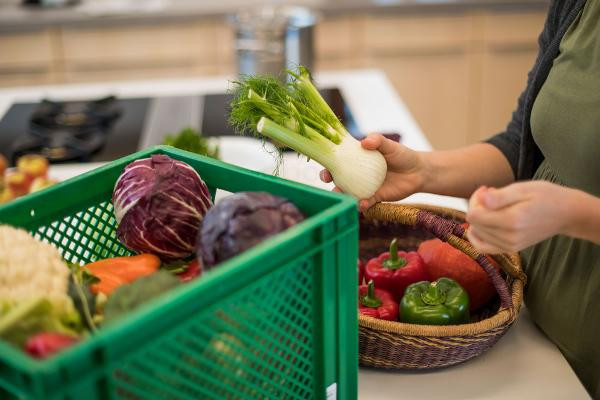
<point>443,302</point>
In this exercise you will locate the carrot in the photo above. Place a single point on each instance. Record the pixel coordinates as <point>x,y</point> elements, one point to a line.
<point>108,283</point>
<point>117,271</point>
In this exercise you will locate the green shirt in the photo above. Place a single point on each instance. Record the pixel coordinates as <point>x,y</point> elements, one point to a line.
<point>563,290</point>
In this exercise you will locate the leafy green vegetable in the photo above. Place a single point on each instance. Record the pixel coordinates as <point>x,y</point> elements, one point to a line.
<point>79,291</point>
<point>129,297</point>
<point>191,140</point>
<point>297,106</point>
<point>296,116</point>
<point>19,321</point>
<point>84,301</point>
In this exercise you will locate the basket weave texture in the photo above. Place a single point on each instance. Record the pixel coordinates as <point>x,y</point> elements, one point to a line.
<point>397,345</point>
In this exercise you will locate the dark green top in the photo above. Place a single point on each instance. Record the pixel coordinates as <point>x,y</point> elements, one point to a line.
<point>563,292</point>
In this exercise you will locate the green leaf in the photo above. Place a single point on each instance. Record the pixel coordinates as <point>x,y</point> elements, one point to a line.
<point>189,139</point>
<point>129,297</point>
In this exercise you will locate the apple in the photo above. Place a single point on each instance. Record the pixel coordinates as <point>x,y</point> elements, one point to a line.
<point>33,165</point>
<point>6,195</point>
<point>18,182</point>
<point>40,183</point>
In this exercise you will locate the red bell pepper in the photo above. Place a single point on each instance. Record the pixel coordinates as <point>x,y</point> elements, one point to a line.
<point>45,344</point>
<point>395,270</point>
<point>185,270</point>
<point>361,272</point>
<point>378,303</point>
<point>192,271</point>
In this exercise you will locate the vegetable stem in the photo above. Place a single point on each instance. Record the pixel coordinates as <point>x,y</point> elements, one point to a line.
<point>86,306</point>
<point>433,296</point>
<point>300,122</point>
<point>313,145</point>
<point>265,106</point>
<point>394,262</point>
<point>370,300</point>
<point>304,83</point>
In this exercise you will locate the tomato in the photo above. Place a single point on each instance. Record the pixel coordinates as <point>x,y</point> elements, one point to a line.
<point>443,260</point>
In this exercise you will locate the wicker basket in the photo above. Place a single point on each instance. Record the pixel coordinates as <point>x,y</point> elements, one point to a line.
<point>396,345</point>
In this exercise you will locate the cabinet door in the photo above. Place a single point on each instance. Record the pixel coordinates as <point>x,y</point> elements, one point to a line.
<point>27,58</point>
<point>427,59</point>
<point>164,49</point>
<point>435,90</point>
<point>509,52</point>
<point>339,43</point>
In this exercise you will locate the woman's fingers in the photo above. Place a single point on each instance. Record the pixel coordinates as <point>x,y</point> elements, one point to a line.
<point>481,245</point>
<point>496,208</point>
<point>372,142</point>
<point>508,219</point>
<point>495,199</point>
<point>501,240</point>
<point>325,176</point>
<point>364,205</point>
<point>376,141</point>
<point>476,197</point>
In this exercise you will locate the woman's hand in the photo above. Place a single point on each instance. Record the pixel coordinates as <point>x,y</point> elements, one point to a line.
<point>405,171</point>
<point>522,214</point>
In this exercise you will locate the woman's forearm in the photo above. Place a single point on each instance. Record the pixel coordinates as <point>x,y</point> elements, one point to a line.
<point>583,216</point>
<point>460,172</point>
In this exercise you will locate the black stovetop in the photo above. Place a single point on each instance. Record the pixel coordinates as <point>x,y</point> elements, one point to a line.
<point>131,131</point>
<point>122,138</point>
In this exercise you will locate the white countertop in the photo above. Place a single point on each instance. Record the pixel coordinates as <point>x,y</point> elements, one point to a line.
<point>524,364</point>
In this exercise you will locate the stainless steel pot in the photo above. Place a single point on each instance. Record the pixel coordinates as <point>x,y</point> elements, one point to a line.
<point>270,39</point>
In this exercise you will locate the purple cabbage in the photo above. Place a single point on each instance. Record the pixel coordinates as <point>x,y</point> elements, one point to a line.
<point>159,204</point>
<point>241,221</point>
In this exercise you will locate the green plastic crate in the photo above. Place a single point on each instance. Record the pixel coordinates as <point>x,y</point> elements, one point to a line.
<point>278,321</point>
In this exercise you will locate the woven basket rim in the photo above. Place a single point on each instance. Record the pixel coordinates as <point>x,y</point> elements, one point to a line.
<point>502,318</point>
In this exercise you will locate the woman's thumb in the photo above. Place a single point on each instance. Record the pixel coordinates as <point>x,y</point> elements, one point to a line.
<point>495,199</point>
<point>375,141</point>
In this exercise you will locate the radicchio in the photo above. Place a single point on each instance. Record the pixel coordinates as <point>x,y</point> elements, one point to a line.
<point>241,221</point>
<point>159,204</point>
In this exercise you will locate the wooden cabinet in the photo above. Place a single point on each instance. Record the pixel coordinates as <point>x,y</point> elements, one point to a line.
<point>507,53</point>
<point>141,51</point>
<point>460,73</point>
<point>339,43</point>
<point>28,57</point>
<point>435,89</point>
<point>426,57</point>
<point>82,53</point>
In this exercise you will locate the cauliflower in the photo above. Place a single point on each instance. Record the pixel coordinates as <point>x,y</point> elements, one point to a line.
<point>31,269</point>
<point>34,282</point>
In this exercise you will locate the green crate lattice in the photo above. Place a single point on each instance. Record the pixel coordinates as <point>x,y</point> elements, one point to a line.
<point>89,235</point>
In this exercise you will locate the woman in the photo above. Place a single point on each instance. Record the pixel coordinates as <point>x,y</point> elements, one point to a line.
<point>552,147</point>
